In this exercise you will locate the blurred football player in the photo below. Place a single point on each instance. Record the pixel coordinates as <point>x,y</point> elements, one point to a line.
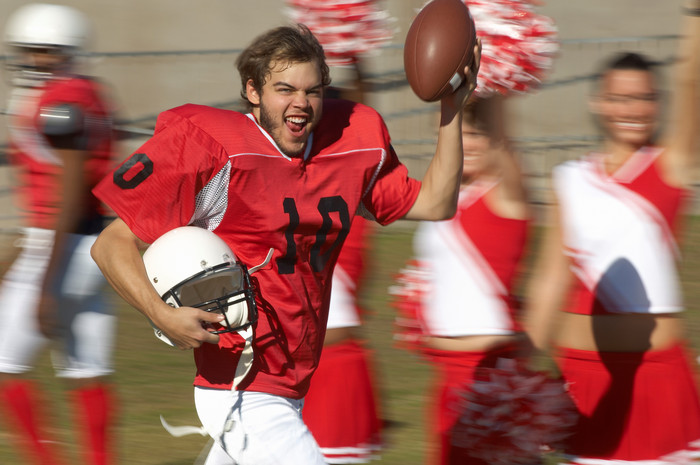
<point>611,248</point>
<point>288,176</point>
<point>60,127</point>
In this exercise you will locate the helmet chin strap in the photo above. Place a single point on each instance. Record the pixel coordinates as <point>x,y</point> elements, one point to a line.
<point>264,263</point>
<point>179,431</point>
<point>246,360</point>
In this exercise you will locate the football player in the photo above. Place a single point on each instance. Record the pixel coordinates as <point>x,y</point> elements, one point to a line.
<point>341,407</point>
<point>60,127</point>
<point>288,176</point>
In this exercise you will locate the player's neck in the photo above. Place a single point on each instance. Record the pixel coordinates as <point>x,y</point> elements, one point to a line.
<point>617,153</point>
<point>481,177</point>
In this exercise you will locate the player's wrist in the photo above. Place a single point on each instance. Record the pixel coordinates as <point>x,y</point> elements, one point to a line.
<point>157,311</point>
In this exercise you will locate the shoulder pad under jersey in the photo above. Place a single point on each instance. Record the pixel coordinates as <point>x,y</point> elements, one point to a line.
<point>61,120</point>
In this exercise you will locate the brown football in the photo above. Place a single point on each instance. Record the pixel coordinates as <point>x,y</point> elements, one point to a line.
<point>439,44</point>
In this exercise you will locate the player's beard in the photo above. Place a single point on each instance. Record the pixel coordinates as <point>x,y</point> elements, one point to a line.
<point>274,129</point>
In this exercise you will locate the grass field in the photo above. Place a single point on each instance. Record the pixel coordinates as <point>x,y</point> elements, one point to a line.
<point>152,379</point>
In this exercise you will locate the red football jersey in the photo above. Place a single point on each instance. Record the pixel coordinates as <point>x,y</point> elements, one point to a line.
<point>38,187</point>
<point>220,170</point>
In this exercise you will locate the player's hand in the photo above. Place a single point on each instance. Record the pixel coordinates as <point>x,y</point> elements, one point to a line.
<point>185,326</point>
<point>47,315</point>
<point>460,96</point>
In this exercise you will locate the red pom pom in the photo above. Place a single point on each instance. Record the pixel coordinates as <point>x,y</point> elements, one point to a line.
<point>518,45</point>
<point>412,284</point>
<point>511,415</point>
<point>346,29</point>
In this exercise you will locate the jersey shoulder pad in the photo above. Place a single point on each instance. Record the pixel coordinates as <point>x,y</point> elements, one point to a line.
<point>222,126</point>
<point>196,113</point>
<point>61,120</point>
<point>204,117</point>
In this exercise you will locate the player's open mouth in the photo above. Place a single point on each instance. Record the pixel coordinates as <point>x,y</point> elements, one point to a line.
<point>296,124</point>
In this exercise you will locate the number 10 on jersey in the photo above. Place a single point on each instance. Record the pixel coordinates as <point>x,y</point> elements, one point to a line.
<point>317,258</point>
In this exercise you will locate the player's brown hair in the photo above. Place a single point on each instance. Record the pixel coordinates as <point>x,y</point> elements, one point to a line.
<point>286,44</point>
<point>628,61</point>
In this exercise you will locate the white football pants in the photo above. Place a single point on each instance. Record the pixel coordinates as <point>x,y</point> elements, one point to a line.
<point>255,428</point>
<point>84,315</point>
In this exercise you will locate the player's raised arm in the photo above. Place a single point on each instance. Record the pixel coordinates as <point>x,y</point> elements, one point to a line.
<point>441,60</point>
<point>117,253</point>
<point>437,199</point>
<point>682,136</point>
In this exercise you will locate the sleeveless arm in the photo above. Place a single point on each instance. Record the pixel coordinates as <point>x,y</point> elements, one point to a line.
<point>682,136</point>
<point>548,284</point>
<point>513,193</point>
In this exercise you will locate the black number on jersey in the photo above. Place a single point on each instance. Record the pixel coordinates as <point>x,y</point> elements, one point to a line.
<point>139,177</point>
<point>318,260</point>
<point>285,264</point>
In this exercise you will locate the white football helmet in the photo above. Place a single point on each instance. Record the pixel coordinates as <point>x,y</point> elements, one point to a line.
<point>56,30</point>
<point>193,267</point>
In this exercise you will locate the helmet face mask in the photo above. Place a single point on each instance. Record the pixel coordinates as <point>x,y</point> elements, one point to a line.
<point>30,66</point>
<point>44,40</point>
<point>235,298</point>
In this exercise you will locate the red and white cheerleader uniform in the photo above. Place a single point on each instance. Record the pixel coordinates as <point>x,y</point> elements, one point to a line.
<point>472,261</point>
<point>619,232</point>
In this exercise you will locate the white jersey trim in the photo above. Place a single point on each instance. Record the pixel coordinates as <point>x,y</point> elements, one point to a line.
<point>267,135</point>
<point>639,162</point>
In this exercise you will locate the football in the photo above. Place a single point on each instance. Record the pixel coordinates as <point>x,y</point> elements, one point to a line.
<point>439,44</point>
